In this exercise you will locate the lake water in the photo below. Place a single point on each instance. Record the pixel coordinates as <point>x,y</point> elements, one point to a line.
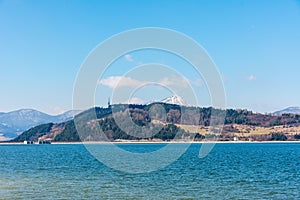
<point>230,171</point>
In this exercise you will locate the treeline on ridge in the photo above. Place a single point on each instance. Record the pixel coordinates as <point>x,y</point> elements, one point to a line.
<point>115,123</point>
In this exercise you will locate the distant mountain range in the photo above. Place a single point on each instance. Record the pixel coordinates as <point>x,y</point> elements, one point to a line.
<point>293,110</point>
<point>14,123</point>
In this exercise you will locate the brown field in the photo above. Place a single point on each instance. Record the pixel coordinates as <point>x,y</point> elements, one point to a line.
<point>243,130</point>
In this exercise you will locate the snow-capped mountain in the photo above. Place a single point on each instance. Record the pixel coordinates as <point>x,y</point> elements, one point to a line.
<point>293,110</point>
<point>14,123</point>
<point>174,100</point>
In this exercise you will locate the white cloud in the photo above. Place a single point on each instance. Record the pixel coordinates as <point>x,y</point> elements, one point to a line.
<point>119,81</point>
<point>128,58</point>
<point>251,78</point>
<point>174,81</point>
<point>198,83</point>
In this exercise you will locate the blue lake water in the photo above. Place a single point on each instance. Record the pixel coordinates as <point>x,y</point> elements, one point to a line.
<point>230,171</point>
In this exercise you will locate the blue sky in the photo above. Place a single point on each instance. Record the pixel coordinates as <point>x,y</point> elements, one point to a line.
<point>255,45</point>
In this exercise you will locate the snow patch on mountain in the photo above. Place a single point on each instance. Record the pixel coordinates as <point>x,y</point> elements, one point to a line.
<point>175,99</point>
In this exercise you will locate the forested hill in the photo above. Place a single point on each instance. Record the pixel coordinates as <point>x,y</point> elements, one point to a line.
<point>164,120</point>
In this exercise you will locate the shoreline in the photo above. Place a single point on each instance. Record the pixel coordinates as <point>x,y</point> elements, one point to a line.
<point>158,142</point>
